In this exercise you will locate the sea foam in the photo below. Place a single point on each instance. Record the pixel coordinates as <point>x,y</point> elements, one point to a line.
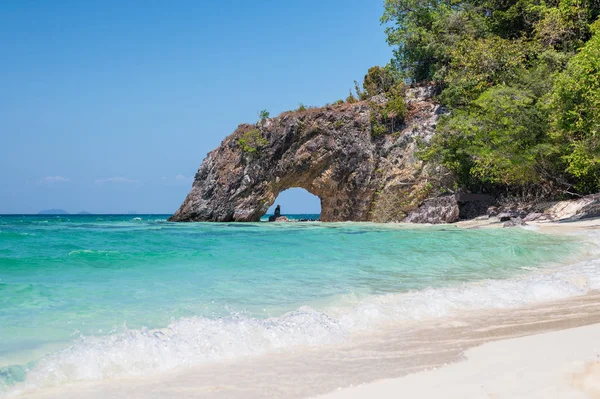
<point>197,340</point>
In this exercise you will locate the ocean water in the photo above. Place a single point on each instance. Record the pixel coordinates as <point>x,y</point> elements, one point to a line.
<point>92,297</point>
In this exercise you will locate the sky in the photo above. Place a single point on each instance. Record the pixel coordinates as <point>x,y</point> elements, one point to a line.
<point>110,106</point>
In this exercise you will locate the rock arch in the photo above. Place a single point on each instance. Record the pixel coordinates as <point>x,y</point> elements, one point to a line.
<point>330,152</point>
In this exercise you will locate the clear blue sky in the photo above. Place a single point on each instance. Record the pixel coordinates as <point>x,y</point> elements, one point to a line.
<point>110,106</point>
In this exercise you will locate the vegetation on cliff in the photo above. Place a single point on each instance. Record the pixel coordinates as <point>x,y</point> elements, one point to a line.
<point>252,141</point>
<point>520,80</point>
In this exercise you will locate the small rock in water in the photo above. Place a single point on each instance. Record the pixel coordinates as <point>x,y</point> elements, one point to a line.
<point>277,215</point>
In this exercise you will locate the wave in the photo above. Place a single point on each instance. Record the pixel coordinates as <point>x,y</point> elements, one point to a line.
<point>197,340</point>
<point>6,235</point>
<point>185,342</point>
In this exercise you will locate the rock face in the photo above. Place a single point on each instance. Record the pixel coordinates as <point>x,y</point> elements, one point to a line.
<point>450,208</point>
<point>332,153</point>
<point>436,210</point>
<point>585,207</point>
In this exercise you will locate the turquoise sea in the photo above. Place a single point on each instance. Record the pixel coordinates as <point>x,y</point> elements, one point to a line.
<point>90,297</point>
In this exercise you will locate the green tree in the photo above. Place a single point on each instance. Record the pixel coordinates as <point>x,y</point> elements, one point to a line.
<point>262,115</point>
<point>379,80</point>
<point>522,104</point>
<point>575,105</point>
<point>477,65</point>
<point>424,32</point>
<point>501,139</point>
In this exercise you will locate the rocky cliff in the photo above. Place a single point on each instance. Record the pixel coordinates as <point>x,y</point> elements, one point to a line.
<point>331,152</point>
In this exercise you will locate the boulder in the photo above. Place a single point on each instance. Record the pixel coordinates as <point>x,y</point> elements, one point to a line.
<point>436,210</point>
<point>582,208</point>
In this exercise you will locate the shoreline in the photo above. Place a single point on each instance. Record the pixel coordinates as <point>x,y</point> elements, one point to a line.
<point>550,363</point>
<point>415,358</point>
<point>558,364</point>
<point>400,348</point>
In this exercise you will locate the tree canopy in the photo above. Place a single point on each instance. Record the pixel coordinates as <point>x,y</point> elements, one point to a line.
<point>520,80</point>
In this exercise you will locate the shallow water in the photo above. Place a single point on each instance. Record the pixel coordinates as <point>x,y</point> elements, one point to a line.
<point>92,297</point>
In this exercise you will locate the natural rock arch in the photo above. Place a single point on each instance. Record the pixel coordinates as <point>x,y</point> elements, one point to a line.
<point>330,152</point>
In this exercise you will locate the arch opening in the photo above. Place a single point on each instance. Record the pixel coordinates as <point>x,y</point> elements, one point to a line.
<point>296,204</point>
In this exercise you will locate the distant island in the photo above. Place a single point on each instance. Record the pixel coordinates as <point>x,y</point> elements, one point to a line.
<point>83,213</point>
<point>53,212</point>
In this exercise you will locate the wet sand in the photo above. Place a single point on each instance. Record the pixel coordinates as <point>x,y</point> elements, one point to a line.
<point>559,364</point>
<point>393,351</point>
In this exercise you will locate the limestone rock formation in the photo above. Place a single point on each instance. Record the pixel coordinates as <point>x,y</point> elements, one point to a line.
<point>443,209</point>
<point>585,207</point>
<point>332,153</point>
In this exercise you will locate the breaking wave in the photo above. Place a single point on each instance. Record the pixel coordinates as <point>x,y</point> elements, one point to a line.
<point>197,340</point>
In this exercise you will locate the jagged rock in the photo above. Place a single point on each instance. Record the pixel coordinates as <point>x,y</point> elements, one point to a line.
<point>330,152</point>
<point>586,207</point>
<point>281,219</point>
<point>533,216</point>
<point>514,222</point>
<point>436,210</point>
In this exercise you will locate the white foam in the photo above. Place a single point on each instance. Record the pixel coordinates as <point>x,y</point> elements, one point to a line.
<point>197,340</point>
<point>188,341</point>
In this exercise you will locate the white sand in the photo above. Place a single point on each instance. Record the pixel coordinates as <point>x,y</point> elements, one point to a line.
<point>561,364</point>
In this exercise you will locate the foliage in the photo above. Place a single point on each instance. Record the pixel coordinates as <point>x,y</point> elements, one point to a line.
<point>379,80</point>
<point>301,107</point>
<point>351,99</point>
<point>377,128</point>
<point>360,93</point>
<point>575,105</point>
<point>426,33</point>
<point>499,139</point>
<point>475,66</point>
<point>520,80</point>
<point>252,141</point>
<point>262,115</point>
<point>338,102</point>
<point>388,117</point>
<point>396,104</point>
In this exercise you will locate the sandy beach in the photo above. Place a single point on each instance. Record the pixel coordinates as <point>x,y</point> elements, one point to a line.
<point>559,364</point>
<point>543,343</point>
